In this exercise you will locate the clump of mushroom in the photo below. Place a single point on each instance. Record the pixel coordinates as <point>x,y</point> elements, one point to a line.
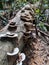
<point>20,56</point>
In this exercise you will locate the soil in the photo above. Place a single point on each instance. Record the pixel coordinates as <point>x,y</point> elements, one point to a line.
<point>37,53</point>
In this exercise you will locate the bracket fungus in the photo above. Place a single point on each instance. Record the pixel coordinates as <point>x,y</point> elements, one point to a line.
<point>16,50</point>
<point>17,59</point>
<point>11,35</point>
<point>29,26</point>
<point>21,59</point>
<point>12,26</point>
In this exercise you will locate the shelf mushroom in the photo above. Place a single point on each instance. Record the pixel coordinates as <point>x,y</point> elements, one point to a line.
<point>12,26</point>
<point>11,35</point>
<point>16,50</point>
<point>12,56</point>
<point>21,58</point>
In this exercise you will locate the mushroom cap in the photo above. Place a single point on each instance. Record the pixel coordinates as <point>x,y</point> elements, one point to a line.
<point>11,35</point>
<point>28,23</point>
<point>23,56</point>
<point>16,50</point>
<point>11,54</point>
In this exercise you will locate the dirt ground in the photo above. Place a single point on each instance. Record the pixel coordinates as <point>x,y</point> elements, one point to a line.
<point>37,53</point>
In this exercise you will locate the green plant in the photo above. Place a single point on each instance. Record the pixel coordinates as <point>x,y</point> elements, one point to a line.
<point>42,27</point>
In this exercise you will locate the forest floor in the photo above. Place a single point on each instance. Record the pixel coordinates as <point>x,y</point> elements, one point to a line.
<point>37,53</point>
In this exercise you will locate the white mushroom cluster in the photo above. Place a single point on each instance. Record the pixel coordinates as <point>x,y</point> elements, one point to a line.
<point>21,56</point>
